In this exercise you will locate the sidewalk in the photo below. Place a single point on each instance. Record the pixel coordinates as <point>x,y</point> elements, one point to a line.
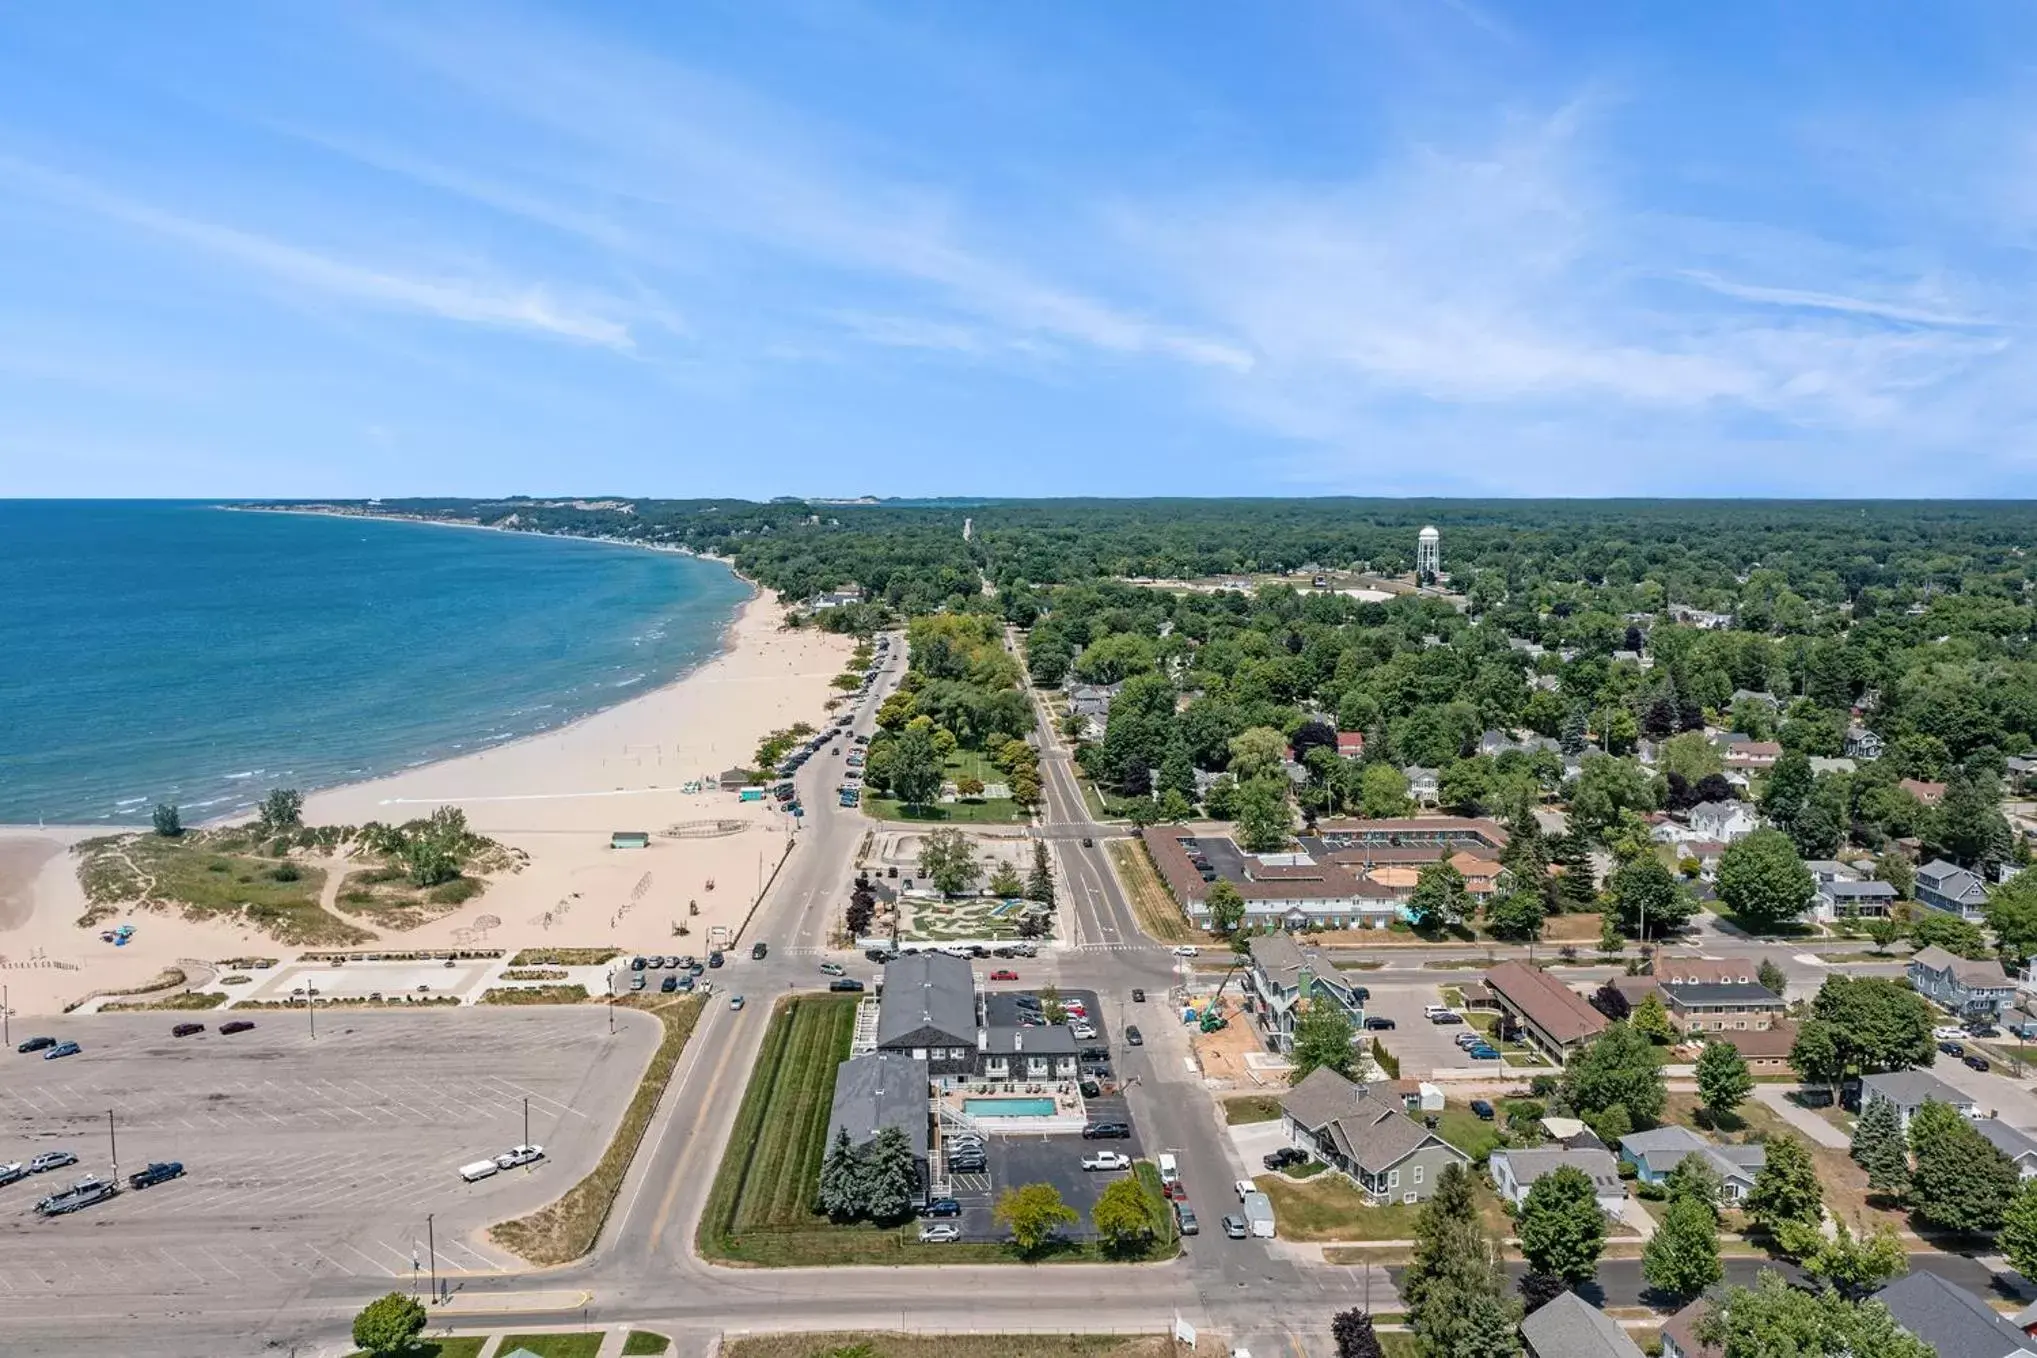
<point>1801,1118</point>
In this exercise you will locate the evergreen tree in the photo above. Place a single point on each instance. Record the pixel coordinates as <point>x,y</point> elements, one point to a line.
<point>1448,1238</point>
<point>1482,1324</point>
<point>1571,736</point>
<point>1177,770</point>
<point>890,1177</point>
<point>1572,853</point>
<point>1354,1335</point>
<point>1771,976</point>
<point>1878,1148</point>
<point>1682,1257</point>
<point>1040,885</point>
<point>842,1192</point>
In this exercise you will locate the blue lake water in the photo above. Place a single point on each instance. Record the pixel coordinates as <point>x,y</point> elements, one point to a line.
<point>177,652</point>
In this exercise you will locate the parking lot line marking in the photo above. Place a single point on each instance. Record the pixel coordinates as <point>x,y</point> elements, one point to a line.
<point>376,1269</point>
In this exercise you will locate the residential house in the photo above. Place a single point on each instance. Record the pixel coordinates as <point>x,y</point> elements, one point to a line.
<point>1497,742</point>
<point>1825,870</point>
<point>1847,899</point>
<point>1701,619</point>
<point>1862,743</point>
<point>1671,969</point>
<point>1765,1050</point>
<point>1571,1327</point>
<point>1930,794</point>
<point>2018,1145</point>
<point>1719,1006</point>
<point>1952,1320</point>
<point>1364,1135</point>
<point>1970,989</point>
<point>882,1090</point>
<point>1410,832</point>
<point>927,1011</point>
<point>1281,891</point>
<point>1951,888</point>
<point>1727,822</point>
<point>1707,852</point>
<point>1639,659</point>
<point>1350,744</point>
<point>1481,875</point>
<point>1514,1172</point>
<point>2020,768</point>
<point>1531,649</point>
<point>1655,1153</point>
<point>1280,974</point>
<point>1752,755</point>
<point>1572,1134</point>
<point>1423,784</point>
<point>1679,1334</point>
<point>1909,1090</point>
<point>1547,1012</point>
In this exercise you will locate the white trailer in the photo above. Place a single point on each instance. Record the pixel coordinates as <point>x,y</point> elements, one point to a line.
<point>1259,1214</point>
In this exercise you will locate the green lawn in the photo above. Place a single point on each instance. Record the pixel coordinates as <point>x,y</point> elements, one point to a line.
<point>554,1345</point>
<point>461,1346</point>
<point>1331,1207</point>
<point>1469,1133</point>
<point>641,1343</point>
<point>975,811</point>
<point>1241,1108</point>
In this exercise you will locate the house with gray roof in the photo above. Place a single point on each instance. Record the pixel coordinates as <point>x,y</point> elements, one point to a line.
<point>1046,1052</point>
<point>1571,1327</point>
<point>1909,1090</point>
<point>1655,1153</point>
<point>1842,898</point>
<point>1966,987</point>
<point>1727,822</point>
<point>1952,1320</point>
<point>2020,1146</point>
<point>1365,1134</point>
<point>1699,1006</point>
<point>1951,888</point>
<point>1514,1172</point>
<point>878,1091</point>
<point>1280,974</point>
<point>928,1011</point>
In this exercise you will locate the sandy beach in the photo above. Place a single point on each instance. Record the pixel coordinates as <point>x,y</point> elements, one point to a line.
<point>556,796</point>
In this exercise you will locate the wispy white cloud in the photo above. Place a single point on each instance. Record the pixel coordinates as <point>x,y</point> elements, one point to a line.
<point>529,308</point>
<point>1825,301</point>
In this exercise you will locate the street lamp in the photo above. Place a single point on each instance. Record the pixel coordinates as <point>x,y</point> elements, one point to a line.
<point>431,1246</point>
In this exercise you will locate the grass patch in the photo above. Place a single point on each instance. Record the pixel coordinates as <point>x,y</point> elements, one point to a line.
<point>871,1344</point>
<point>566,1229</point>
<point>212,876</point>
<point>1307,1170</point>
<point>1153,905</point>
<point>533,974</point>
<point>1242,1108</point>
<point>553,1345</point>
<point>537,994</point>
<point>454,1346</point>
<point>974,812</point>
<point>185,999</point>
<point>1331,1207</point>
<point>564,957</point>
<point>643,1342</point>
<point>1468,1132</point>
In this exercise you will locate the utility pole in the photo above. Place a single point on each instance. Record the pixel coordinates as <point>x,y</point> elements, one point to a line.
<point>6,1039</point>
<point>311,1009</point>
<point>526,1128</point>
<point>431,1244</point>
<point>113,1145</point>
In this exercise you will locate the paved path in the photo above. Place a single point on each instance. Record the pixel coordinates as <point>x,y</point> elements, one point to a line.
<point>1801,1118</point>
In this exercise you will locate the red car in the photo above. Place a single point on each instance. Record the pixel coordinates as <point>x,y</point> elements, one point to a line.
<point>1004,975</point>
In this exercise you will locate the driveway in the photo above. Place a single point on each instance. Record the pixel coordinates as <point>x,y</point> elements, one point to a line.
<point>1994,1092</point>
<point>1254,1141</point>
<point>1801,1118</point>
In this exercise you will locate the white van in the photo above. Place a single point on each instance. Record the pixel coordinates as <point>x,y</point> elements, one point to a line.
<point>480,1169</point>
<point>1169,1174</point>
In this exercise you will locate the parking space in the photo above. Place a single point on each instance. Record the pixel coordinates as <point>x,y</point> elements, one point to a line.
<point>1420,1045</point>
<point>303,1158</point>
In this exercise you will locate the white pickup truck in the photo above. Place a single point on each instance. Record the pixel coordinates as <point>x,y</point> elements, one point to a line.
<point>1106,1160</point>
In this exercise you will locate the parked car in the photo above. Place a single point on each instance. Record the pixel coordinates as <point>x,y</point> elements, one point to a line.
<point>519,1155</point>
<point>1952,1048</point>
<point>939,1233</point>
<point>187,1029</point>
<point>1081,1031</point>
<point>1377,1024</point>
<point>1446,1018</point>
<point>62,1049</point>
<point>1483,1053</point>
<point>1106,1131</point>
<point>1106,1160</point>
<point>1184,950</point>
<point>976,1166</point>
<point>942,1207</point>
<point>1285,1156</point>
<point>636,964</point>
<point>1133,1037</point>
<point>1184,1217</point>
<point>877,955</point>
<point>1004,974</point>
<point>636,982</point>
<point>831,969</point>
<point>237,1026</point>
<point>845,984</point>
<point>1948,1034</point>
<point>49,1160</point>
<point>159,1173</point>
<point>12,1173</point>
<point>1234,1227</point>
<point>669,985</point>
<point>1983,1030</point>
<point>1096,1053</point>
<point>1138,994</point>
<point>759,950</point>
<point>1243,1186</point>
<point>714,959</point>
<point>1091,1089</point>
<point>36,1044</point>
<point>1481,1110</point>
<point>1977,1063</point>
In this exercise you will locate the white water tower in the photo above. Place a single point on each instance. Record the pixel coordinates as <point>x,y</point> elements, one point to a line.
<point>1428,556</point>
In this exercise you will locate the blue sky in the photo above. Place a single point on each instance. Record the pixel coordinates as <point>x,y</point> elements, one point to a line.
<point>793,246</point>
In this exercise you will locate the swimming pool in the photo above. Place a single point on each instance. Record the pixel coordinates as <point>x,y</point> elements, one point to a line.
<point>1008,1108</point>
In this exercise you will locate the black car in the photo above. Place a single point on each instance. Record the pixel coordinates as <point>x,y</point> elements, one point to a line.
<point>942,1207</point>
<point>669,985</point>
<point>1285,1156</point>
<point>845,984</point>
<point>1095,1070</point>
<point>1378,1024</point>
<point>1360,993</point>
<point>977,1165</point>
<point>237,1026</point>
<point>636,964</point>
<point>1088,843</point>
<point>161,1172</point>
<point>759,950</point>
<point>1091,1089</point>
<point>714,958</point>
<point>1481,1110</point>
<point>1978,1063</point>
<point>877,955</point>
<point>12,1174</point>
<point>1138,995</point>
<point>1951,1049</point>
<point>1096,1053</point>
<point>1133,1037</point>
<point>36,1044</point>
<point>1106,1131</point>
<point>1983,1030</point>
<point>187,1029</point>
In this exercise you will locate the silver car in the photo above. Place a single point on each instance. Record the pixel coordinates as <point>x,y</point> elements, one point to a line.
<point>51,1160</point>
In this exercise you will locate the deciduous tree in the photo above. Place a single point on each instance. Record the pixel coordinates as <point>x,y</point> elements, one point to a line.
<point>389,1324</point>
<point>282,809</point>
<point>1122,1217</point>
<point>1648,900</point>
<point>1682,1257</point>
<point>1772,1319</point>
<point>1353,1333</point>
<point>914,767</point>
<point>1763,881</point>
<point>2018,1236</point>
<point>1439,900</point>
<point>1723,1079</point>
<point>1787,1201</point>
<point>1322,1037</point>
<point>1515,915</point>
<point>1879,1024</point>
<point>1961,1182</point>
<point>948,860</point>
<point>1858,1264</point>
<point>1561,1228</point>
<point>1617,1067</point>
<point>1651,1019</point>
<point>1031,1212</point>
<point>1226,907</point>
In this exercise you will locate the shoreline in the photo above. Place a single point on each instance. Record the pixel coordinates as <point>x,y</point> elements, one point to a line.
<point>334,512</point>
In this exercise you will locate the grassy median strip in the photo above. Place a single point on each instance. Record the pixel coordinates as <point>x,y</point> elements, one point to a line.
<point>1153,905</point>
<point>566,1229</point>
<point>876,1344</point>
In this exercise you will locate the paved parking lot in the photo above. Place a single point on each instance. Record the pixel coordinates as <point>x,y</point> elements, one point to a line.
<point>304,1159</point>
<point>1422,1046</point>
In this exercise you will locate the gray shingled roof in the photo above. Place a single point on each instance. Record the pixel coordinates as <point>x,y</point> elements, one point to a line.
<point>1599,1166</point>
<point>1571,1327</point>
<point>1984,972</point>
<point>2010,1141</point>
<point>927,990</point>
<point>1720,992</point>
<point>882,1089</point>
<point>1370,1129</point>
<point>1953,1321</point>
<point>1908,1088</point>
<point>1052,1039</point>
